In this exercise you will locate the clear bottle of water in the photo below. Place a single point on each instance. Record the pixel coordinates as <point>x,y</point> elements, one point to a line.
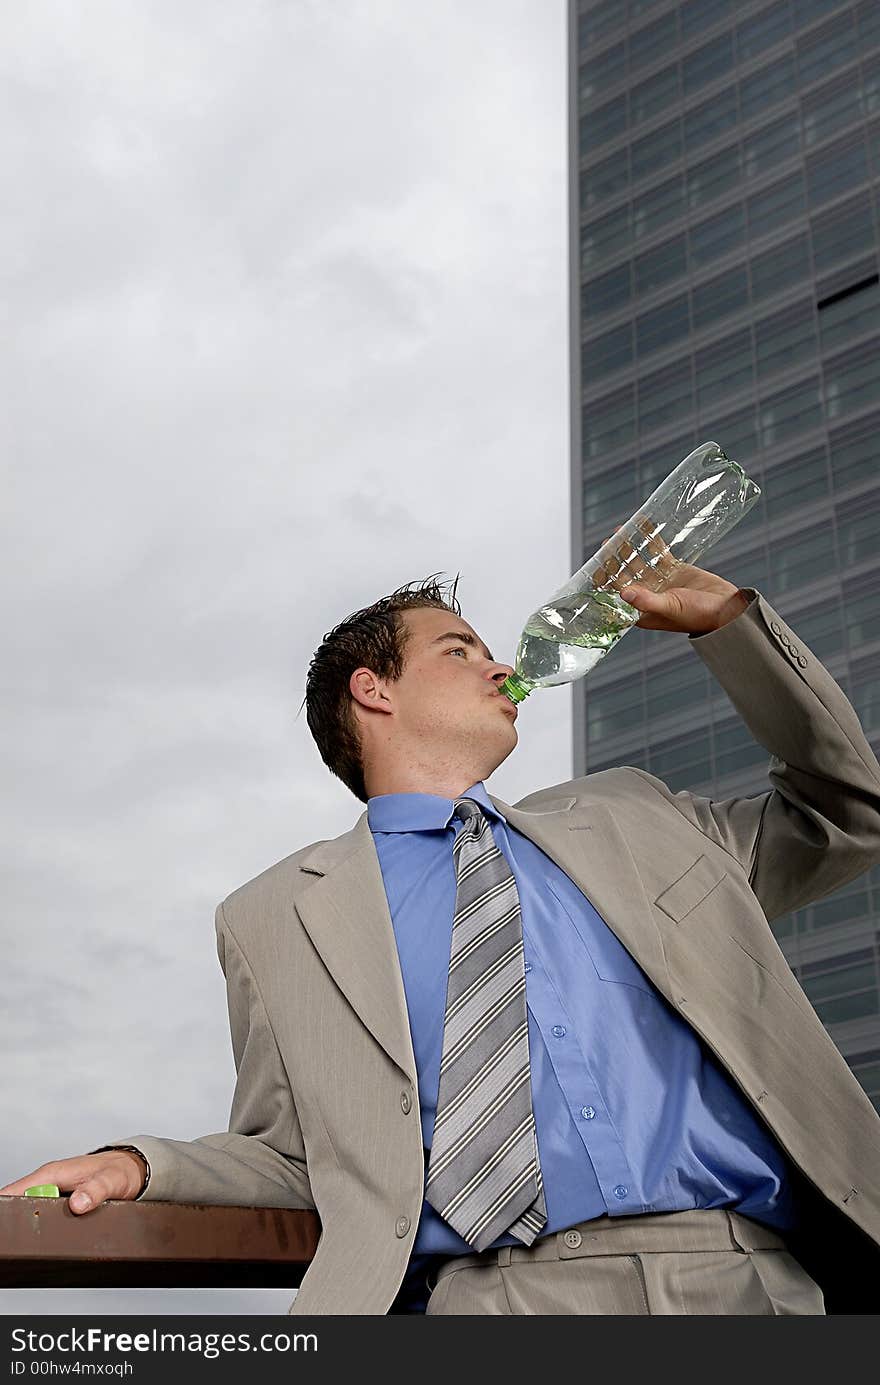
<point>698,503</point>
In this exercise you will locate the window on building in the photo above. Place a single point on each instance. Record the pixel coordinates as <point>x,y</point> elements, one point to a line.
<point>776,205</point>
<point>829,109</point>
<point>785,339</point>
<point>796,560</point>
<point>615,709</point>
<point>837,169</point>
<point>671,690</point>
<point>718,235</point>
<point>650,43</point>
<point>846,992</point>
<point>598,127</point>
<point>709,120</point>
<point>795,483</point>
<point>843,233</point>
<point>610,493</point>
<point>608,423</point>
<point>599,22</point>
<point>697,15</point>
<point>755,36</point>
<point>852,381</point>
<point>657,150</point>
<point>868,15</point>
<point>791,411</point>
<point>768,86</point>
<point>606,179</point>
<point>850,313</point>
<point>714,176</point>
<point>827,48</point>
<point>597,74</point>
<point>726,294</point>
<point>684,762</point>
<point>862,621</point>
<point>858,529</point>
<point>737,433</point>
<point>605,237</point>
<point>607,292</point>
<point>659,266</point>
<point>820,628</point>
<point>656,463</point>
<point>662,326</point>
<point>723,368</point>
<point>779,268</point>
<point>772,145</point>
<point>736,749</point>
<point>665,396</point>
<point>601,356</point>
<point>707,64</point>
<point>655,95</point>
<point>656,208</point>
<point>853,452</point>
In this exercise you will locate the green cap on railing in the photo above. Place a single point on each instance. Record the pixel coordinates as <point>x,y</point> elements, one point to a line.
<point>43,1190</point>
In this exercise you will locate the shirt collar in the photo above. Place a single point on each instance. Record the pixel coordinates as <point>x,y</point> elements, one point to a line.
<point>422,812</point>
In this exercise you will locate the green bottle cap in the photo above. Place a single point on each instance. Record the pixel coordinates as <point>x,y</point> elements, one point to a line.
<point>43,1190</point>
<point>515,688</point>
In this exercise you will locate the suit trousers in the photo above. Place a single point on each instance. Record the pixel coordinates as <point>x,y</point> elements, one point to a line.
<point>706,1261</point>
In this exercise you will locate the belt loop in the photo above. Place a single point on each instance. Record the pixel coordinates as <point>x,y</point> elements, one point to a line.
<point>504,1255</point>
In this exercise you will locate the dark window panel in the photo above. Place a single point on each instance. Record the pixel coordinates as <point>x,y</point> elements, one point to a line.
<point>852,381</point>
<point>637,7</point>
<point>792,484</point>
<point>658,207</point>
<point>601,72</point>
<point>772,145</point>
<point>724,368</point>
<point>840,980</point>
<point>717,236</point>
<point>821,628</point>
<point>866,702</point>
<point>737,434</point>
<point>735,761</point>
<point>862,621</point>
<point>606,179</point>
<point>656,463</point>
<point>780,267</point>
<point>655,151</point>
<point>726,294</point>
<point>711,119</point>
<point>843,233</point>
<point>844,165</point>
<point>771,26</point>
<point>791,411</point>
<point>851,1007</point>
<point>608,423</point>
<point>808,11</point>
<point>659,266</point>
<point>768,86</point>
<point>603,355</point>
<point>673,691</point>
<point>776,205</point>
<point>784,339</point>
<point>707,63</point>
<point>655,95</point>
<point>697,15</point>
<point>688,757</point>
<point>606,293</point>
<point>858,530</point>
<point>849,317</point>
<point>651,42</point>
<point>871,82</point>
<point>612,493</point>
<point>605,237</point>
<point>868,15</point>
<point>665,396</point>
<point>874,146</point>
<point>599,22</point>
<point>597,127</point>
<point>662,326</point>
<point>798,559</point>
<point>824,50</point>
<point>853,452</point>
<point>714,176</point>
<point>831,108</point>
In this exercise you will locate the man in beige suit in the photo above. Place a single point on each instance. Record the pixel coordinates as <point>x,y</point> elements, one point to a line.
<point>403,700</point>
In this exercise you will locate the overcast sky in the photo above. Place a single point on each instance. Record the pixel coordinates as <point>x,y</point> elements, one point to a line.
<point>285,326</point>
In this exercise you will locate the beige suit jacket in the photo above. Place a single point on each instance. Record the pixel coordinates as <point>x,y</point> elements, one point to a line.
<point>325,1112</point>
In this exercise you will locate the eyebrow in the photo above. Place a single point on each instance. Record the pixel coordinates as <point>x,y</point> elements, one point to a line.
<point>466,638</point>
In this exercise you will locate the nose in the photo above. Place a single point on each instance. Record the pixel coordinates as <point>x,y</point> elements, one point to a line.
<point>502,671</point>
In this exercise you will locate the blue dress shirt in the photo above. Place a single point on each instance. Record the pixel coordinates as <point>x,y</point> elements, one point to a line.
<point>633,1112</point>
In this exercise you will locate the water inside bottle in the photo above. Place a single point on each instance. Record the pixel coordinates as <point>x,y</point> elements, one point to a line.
<point>562,642</point>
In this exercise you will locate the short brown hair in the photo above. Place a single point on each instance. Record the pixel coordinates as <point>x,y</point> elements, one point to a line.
<point>376,638</point>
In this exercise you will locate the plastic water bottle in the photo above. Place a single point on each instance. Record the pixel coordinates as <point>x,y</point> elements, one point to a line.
<point>698,503</point>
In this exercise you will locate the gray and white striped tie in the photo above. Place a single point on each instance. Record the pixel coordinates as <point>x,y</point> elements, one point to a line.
<point>484,1176</point>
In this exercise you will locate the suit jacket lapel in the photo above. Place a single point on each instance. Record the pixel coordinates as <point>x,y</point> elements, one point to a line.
<point>346,910</point>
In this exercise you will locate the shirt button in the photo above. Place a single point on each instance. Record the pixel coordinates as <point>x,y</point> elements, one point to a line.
<point>527,967</point>
<point>402,1226</point>
<point>621,1191</point>
<point>587,1112</point>
<point>558,1031</point>
<point>405,1103</point>
<point>572,1239</point>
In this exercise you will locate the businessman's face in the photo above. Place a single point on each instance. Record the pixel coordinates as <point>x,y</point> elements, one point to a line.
<point>445,711</point>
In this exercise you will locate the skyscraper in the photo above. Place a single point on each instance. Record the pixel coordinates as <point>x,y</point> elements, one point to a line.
<point>724,202</point>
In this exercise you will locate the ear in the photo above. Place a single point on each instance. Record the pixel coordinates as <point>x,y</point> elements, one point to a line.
<point>369,691</point>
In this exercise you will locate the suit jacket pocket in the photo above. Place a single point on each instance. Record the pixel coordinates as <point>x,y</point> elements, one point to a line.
<point>690,889</point>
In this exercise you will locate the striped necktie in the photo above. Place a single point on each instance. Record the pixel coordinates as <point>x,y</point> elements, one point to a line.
<point>484,1177</point>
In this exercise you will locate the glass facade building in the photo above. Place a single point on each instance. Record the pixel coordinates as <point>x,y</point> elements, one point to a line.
<point>724,205</point>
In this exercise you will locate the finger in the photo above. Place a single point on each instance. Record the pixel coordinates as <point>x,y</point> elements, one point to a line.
<point>91,1179</point>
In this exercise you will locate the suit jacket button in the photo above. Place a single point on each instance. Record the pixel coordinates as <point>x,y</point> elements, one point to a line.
<point>774,627</point>
<point>572,1239</point>
<point>802,662</point>
<point>793,650</point>
<point>403,1225</point>
<point>405,1103</point>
